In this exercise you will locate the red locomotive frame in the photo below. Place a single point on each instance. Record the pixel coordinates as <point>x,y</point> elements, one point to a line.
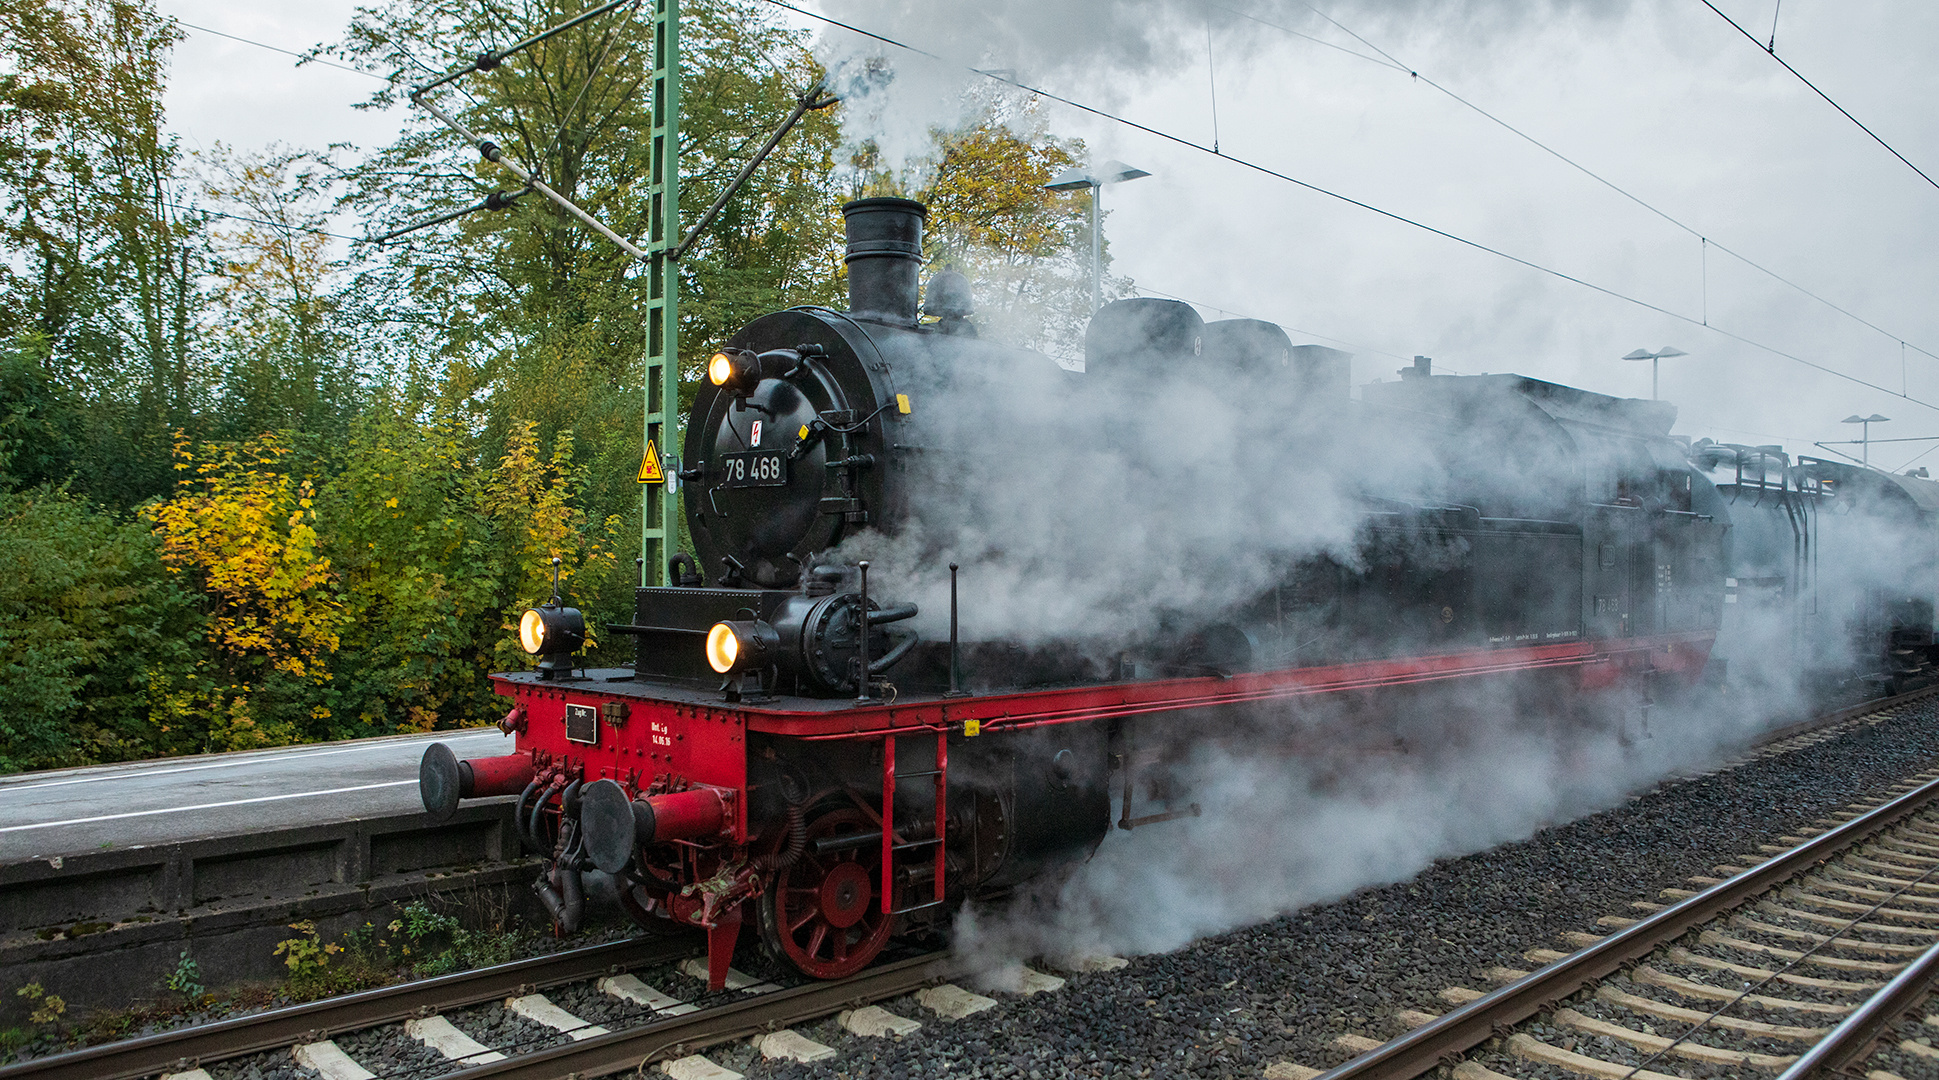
<point>686,752</point>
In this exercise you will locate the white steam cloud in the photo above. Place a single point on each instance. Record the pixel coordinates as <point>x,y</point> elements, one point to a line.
<point>1091,50</point>
<point>1120,510</point>
<point>1106,513</point>
<point>1082,508</point>
<point>1280,831</point>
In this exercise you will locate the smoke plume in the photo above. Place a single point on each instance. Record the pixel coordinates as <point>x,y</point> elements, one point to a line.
<point>1280,830</point>
<point>1093,51</point>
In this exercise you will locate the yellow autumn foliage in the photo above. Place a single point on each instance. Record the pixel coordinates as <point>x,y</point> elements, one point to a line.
<point>531,500</point>
<point>244,531</point>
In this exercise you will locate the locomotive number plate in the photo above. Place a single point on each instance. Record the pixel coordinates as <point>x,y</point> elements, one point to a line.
<point>582,724</point>
<point>754,468</point>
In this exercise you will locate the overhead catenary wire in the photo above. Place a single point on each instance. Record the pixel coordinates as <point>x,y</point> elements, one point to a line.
<point>312,58</point>
<point>1212,84</point>
<point>1336,46</point>
<point>1915,460</point>
<point>1704,238</point>
<point>284,225</point>
<point>305,58</point>
<point>526,175</point>
<point>1264,170</point>
<point>1702,321</point>
<point>470,262</point>
<point>565,118</point>
<point>1771,52</point>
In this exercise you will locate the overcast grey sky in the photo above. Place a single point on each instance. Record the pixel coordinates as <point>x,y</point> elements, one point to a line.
<point>1660,97</point>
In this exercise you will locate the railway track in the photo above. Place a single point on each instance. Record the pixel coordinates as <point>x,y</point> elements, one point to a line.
<point>662,1025</point>
<point>1804,961</point>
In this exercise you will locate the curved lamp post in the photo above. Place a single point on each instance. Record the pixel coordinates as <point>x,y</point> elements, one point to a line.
<point>1075,179</point>
<point>1866,439</point>
<point>1654,359</point>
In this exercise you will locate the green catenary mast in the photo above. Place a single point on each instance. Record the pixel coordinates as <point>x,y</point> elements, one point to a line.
<point>659,509</point>
<point>659,463</point>
<point>660,518</point>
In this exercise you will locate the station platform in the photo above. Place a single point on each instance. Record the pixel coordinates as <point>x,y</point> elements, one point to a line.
<point>70,812</point>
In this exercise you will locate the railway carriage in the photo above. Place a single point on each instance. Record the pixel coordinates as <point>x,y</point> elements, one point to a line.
<point>1834,573</point>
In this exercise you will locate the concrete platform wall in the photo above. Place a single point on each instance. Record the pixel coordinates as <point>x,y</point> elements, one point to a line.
<point>104,929</point>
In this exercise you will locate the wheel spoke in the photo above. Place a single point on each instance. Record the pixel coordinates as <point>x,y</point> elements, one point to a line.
<point>849,880</point>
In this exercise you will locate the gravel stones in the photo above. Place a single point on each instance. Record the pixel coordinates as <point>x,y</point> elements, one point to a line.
<point>506,1031</point>
<point>390,1052</point>
<point>275,1065</point>
<point>1915,1063</point>
<point>1286,989</point>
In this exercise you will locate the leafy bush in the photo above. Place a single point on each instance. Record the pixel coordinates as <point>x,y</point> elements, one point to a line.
<point>90,623</point>
<point>48,1008</point>
<point>307,954</point>
<point>186,979</point>
<point>424,930</point>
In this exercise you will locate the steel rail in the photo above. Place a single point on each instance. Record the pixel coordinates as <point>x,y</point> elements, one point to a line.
<point>180,1049</point>
<point>1467,1027</point>
<point>1833,719</point>
<point>1849,1041</point>
<point>630,1050</point>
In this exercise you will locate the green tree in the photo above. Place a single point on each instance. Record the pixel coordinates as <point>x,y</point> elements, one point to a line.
<point>39,418</point>
<point>278,350</point>
<point>104,264</point>
<point>421,588</point>
<point>533,315</point>
<point>536,505</point>
<point>1026,250</point>
<point>89,621</point>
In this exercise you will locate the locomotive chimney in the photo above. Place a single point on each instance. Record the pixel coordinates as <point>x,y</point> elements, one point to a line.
<point>884,256</point>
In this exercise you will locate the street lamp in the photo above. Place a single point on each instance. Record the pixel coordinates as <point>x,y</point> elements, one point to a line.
<point>1654,359</point>
<point>1868,421</point>
<point>1075,179</point>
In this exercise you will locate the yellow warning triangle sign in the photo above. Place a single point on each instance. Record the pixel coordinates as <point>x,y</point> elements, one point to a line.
<point>650,471</point>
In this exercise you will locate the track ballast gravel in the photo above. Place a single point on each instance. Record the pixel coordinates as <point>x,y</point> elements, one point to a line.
<point>1228,1006</point>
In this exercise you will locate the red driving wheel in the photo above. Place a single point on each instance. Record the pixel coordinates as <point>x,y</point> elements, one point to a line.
<point>824,913</point>
<point>645,901</point>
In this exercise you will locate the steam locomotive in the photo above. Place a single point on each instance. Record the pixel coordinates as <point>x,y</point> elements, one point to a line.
<point>791,748</point>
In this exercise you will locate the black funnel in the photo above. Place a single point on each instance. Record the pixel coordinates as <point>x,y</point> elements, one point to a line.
<point>884,257</point>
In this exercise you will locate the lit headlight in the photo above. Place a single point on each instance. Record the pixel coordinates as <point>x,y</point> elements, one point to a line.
<point>723,648</point>
<point>551,631</point>
<point>736,370</point>
<point>741,645</point>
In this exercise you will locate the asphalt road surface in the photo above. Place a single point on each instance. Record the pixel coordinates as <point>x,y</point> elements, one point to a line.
<point>73,811</point>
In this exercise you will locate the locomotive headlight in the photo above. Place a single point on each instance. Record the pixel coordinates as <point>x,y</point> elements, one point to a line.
<point>723,648</point>
<point>736,370</point>
<point>551,631</point>
<point>740,645</point>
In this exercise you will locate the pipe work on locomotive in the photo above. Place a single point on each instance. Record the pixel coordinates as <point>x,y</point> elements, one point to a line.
<point>801,744</point>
